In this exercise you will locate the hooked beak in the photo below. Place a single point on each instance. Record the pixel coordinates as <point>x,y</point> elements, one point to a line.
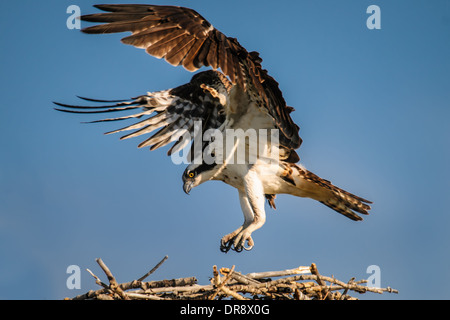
<point>187,186</point>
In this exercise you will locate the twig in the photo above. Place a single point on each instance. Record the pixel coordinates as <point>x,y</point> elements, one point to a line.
<point>153,270</point>
<point>283,273</point>
<point>220,285</point>
<point>350,282</point>
<point>113,285</point>
<point>139,296</point>
<point>319,280</point>
<point>293,284</point>
<point>141,285</point>
<point>179,289</point>
<point>245,279</point>
<point>97,280</point>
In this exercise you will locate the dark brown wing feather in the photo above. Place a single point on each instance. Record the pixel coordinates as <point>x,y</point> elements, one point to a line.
<point>184,37</point>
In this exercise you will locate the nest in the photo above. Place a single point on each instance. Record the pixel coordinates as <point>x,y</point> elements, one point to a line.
<point>301,283</point>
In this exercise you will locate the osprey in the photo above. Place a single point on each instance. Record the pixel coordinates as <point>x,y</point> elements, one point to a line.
<point>241,97</point>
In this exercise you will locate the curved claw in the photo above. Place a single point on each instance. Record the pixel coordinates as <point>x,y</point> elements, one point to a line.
<point>239,248</point>
<point>236,242</point>
<point>225,246</point>
<point>250,244</point>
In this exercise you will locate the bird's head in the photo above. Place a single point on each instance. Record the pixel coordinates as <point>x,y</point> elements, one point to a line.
<point>196,174</point>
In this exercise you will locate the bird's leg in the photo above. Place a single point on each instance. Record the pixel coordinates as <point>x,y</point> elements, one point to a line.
<point>227,241</point>
<point>252,204</point>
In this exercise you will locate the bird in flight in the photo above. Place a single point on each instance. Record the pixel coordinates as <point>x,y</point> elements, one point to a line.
<point>247,137</point>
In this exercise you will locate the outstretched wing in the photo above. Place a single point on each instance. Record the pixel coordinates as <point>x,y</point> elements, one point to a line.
<point>184,37</point>
<point>175,112</point>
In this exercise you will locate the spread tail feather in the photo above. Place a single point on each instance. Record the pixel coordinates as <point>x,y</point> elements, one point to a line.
<point>325,192</point>
<point>340,200</point>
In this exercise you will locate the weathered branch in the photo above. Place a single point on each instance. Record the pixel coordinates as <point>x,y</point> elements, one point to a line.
<point>301,283</point>
<point>154,269</point>
<point>113,285</point>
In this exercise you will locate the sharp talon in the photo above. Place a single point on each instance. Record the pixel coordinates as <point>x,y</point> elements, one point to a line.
<point>238,248</point>
<point>225,246</point>
<point>236,241</point>
<point>250,244</point>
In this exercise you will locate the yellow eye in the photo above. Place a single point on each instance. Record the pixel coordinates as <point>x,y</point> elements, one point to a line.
<point>191,174</point>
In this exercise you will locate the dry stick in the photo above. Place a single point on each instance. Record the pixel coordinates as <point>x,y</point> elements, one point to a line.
<point>232,283</point>
<point>154,269</point>
<point>113,285</point>
<point>239,277</point>
<point>97,280</point>
<point>282,273</point>
<point>253,287</point>
<point>248,289</point>
<point>140,285</point>
<point>220,286</point>
<point>298,295</point>
<point>251,277</point>
<point>215,281</point>
<point>344,293</point>
<point>104,297</point>
<point>315,272</point>
<point>140,296</point>
<point>91,294</point>
<point>254,290</point>
<point>194,288</point>
<point>305,277</point>
<point>343,285</point>
<point>233,294</point>
<point>227,277</point>
<point>159,284</point>
<point>245,279</point>
<point>250,282</point>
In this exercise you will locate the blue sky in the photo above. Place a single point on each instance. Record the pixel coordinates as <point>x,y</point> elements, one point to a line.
<point>373,107</point>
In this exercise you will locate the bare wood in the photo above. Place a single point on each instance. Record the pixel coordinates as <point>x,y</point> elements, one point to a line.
<point>153,270</point>
<point>104,297</point>
<point>239,277</point>
<point>113,285</point>
<point>139,296</point>
<point>106,270</point>
<point>158,284</point>
<point>227,277</point>
<point>351,281</point>
<point>282,273</point>
<point>315,272</point>
<point>293,284</point>
<point>179,289</point>
<point>97,279</point>
<point>220,285</point>
<point>91,294</point>
<point>144,285</point>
